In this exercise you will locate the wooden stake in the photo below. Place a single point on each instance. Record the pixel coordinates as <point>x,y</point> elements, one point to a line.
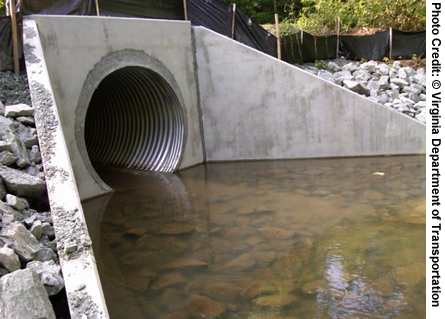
<point>277,27</point>
<point>15,45</point>
<point>233,20</point>
<point>301,32</point>
<point>20,27</point>
<point>20,10</point>
<point>390,43</point>
<point>97,8</point>
<point>185,10</point>
<point>338,36</point>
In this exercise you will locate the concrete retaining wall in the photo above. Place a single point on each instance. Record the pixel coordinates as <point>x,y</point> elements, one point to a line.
<point>257,107</point>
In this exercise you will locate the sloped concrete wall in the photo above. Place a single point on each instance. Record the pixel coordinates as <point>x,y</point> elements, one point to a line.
<point>81,51</point>
<point>257,107</point>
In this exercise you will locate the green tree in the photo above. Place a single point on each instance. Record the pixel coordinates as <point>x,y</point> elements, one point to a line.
<point>2,8</point>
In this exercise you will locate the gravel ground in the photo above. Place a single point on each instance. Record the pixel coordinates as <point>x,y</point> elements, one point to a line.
<point>14,89</point>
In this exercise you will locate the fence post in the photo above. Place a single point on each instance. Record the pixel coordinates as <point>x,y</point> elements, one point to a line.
<point>338,36</point>
<point>97,8</point>
<point>185,10</point>
<point>390,43</point>
<point>277,27</point>
<point>15,48</point>
<point>233,20</point>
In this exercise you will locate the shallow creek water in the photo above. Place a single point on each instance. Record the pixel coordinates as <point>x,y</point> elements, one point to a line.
<point>268,239</point>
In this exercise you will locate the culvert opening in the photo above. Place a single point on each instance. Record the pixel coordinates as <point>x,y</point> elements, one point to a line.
<point>135,121</point>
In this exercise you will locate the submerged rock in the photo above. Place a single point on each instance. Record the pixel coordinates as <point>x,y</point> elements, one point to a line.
<point>312,287</point>
<point>240,263</point>
<point>275,301</point>
<point>185,263</point>
<point>169,280</point>
<point>203,307</point>
<point>177,229</point>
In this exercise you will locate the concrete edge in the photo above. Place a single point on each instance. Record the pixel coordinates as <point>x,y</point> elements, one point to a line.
<point>82,282</point>
<point>310,74</point>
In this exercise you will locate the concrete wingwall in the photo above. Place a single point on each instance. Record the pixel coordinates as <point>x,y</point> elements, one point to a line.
<point>257,107</point>
<point>82,51</point>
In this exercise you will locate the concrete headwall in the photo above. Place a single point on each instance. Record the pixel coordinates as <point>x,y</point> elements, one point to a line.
<point>82,51</point>
<point>248,106</point>
<point>257,107</point>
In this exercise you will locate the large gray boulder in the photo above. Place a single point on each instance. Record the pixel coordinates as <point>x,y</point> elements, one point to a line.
<point>18,110</point>
<point>362,76</point>
<point>2,189</point>
<point>24,244</point>
<point>351,67</point>
<point>356,87</point>
<point>22,296</point>
<point>20,151</point>
<point>49,274</point>
<point>15,202</point>
<point>9,259</point>
<point>399,82</point>
<point>369,66</point>
<point>7,158</point>
<point>5,126</point>
<point>333,67</point>
<point>45,254</point>
<point>22,184</point>
<point>383,69</point>
<point>326,75</point>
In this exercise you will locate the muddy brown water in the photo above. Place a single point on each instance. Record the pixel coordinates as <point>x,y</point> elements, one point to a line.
<point>333,238</point>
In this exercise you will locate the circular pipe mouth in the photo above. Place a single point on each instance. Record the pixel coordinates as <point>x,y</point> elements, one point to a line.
<point>134,121</point>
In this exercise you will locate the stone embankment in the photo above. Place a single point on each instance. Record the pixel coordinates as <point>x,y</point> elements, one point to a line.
<point>399,88</point>
<point>29,266</point>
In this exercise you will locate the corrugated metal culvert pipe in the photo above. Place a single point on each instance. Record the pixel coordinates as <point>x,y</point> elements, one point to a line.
<point>135,121</point>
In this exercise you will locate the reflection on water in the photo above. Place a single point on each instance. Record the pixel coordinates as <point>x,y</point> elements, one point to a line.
<point>337,238</point>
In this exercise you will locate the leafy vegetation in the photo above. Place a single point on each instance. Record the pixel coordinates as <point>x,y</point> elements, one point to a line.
<point>2,8</point>
<point>262,11</point>
<point>319,16</point>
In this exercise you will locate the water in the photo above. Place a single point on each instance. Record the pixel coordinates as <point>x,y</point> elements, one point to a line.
<point>336,238</point>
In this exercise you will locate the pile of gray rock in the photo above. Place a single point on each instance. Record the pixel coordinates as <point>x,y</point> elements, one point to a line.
<point>397,87</point>
<point>29,266</point>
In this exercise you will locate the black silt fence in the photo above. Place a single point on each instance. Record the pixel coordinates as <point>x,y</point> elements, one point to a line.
<point>213,15</point>
<point>59,7</point>
<point>6,57</point>
<point>406,44</point>
<point>217,16</point>
<point>369,47</point>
